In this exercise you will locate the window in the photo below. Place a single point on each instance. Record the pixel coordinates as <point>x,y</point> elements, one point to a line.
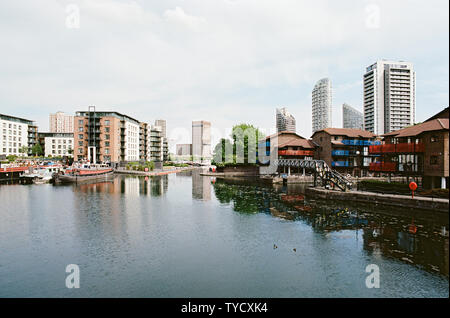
<point>107,129</point>
<point>80,150</point>
<point>80,129</point>
<point>106,122</point>
<point>80,143</point>
<point>106,143</point>
<point>80,136</point>
<point>434,138</point>
<point>107,150</point>
<point>433,160</point>
<point>80,122</point>
<point>107,137</point>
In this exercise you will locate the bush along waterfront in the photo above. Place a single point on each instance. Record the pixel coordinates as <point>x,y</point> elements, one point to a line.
<point>136,166</point>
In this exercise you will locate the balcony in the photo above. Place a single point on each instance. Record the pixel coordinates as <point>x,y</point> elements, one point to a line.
<point>397,148</point>
<point>340,153</point>
<point>295,152</point>
<point>383,166</point>
<point>339,164</point>
<point>352,142</point>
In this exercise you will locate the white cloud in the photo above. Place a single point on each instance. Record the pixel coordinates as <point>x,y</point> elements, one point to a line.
<point>178,15</point>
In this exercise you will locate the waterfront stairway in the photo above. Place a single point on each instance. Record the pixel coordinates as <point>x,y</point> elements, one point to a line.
<point>321,170</point>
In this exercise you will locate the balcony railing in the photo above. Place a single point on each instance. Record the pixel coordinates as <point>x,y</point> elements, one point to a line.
<point>353,142</point>
<point>340,153</point>
<point>383,166</point>
<point>397,148</point>
<point>295,152</point>
<point>339,164</point>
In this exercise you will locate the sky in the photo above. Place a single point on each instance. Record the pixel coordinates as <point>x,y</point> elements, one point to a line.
<point>224,61</point>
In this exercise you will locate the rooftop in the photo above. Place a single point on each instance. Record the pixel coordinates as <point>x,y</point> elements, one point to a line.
<point>16,119</point>
<point>432,125</point>
<point>289,138</point>
<point>351,133</point>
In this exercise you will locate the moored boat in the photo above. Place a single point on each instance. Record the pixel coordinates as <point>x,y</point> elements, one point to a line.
<point>84,173</point>
<point>40,174</point>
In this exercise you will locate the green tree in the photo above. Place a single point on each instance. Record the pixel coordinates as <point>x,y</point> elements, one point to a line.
<point>36,150</point>
<point>220,155</point>
<point>23,150</point>
<point>11,158</point>
<point>245,143</point>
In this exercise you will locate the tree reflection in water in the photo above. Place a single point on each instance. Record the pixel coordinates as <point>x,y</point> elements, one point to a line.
<point>409,236</point>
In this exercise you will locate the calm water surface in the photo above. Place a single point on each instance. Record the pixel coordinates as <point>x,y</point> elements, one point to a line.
<point>186,235</point>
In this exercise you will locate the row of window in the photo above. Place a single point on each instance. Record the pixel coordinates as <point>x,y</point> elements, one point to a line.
<point>13,126</point>
<point>12,138</point>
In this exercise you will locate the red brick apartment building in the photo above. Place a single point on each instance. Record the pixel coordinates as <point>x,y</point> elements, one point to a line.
<point>291,146</point>
<point>421,150</point>
<point>345,150</point>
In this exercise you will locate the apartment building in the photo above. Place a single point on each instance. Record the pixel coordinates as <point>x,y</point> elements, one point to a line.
<point>201,141</point>
<point>16,133</point>
<point>352,118</point>
<point>421,150</point>
<point>156,149</point>
<point>345,150</point>
<point>290,146</point>
<point>105,136</point>
<point>321,105</point>
<point>56,144</point>
<point>60,122</point>
<point>162,123</point>
<point>284,120</point>
<point>389,96</point>
<point>184,150</point>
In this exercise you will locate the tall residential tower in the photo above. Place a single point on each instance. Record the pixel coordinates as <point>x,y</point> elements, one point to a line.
<point>61,123</point>
<point>389,96</point>
<point>351,118</point>
<point>285,121</point>
<point>201,141</point>
<point>321,105</point>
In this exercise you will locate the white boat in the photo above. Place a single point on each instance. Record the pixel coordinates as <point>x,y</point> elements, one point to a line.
<point>42,174</point>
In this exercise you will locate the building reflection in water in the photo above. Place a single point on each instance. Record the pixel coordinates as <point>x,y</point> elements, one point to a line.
<point>423,243</point>
<point>201,186</point>
<point>154,186</point>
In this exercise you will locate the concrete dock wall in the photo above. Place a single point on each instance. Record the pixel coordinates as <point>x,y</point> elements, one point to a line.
<point>422,203</point>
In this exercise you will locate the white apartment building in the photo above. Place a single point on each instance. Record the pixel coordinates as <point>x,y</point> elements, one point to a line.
<point>201,141</point>
<point>57,144</point>
<point>284,120</point>
<point>321,105</point>
<point>131,141</point>
<point>13,135</point>
<point>389,96</point>
<point>61,123</point>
